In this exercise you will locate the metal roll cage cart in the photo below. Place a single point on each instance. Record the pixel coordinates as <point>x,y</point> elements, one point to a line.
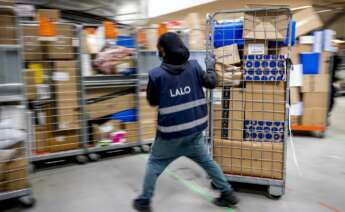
<point>248,125</point>
<point>118,90</point>
<point>14,118</point>
<point>53,90</point>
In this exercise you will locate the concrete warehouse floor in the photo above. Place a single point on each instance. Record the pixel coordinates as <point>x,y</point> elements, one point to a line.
<point>111,184</point>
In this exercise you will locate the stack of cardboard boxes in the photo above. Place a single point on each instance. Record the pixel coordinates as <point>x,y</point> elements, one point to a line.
<point>309,95</point>
<point>52,84</point>
<point>249,121</point>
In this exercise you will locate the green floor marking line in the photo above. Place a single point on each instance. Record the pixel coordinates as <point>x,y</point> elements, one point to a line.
<point>192,186</point>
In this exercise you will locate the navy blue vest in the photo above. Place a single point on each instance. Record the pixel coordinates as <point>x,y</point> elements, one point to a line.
<point>182,105</point>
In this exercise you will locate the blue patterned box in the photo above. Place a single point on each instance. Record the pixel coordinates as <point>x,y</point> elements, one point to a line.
<point>264,68</point>
<point>263,131</point>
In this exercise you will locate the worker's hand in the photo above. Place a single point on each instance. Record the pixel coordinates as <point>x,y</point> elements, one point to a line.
<point>210,61</point>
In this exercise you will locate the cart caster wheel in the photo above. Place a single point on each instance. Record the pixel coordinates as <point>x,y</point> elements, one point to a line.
<point>27,201</point>
<point>145,148</point>
<point>274,197</point>
<point>275,192</point>
<point>136,150</point>
<point>81,159</point>
<point>320,134</point>
<point>94,157</point>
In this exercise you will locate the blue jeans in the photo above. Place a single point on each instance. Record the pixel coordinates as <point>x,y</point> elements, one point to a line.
<point>166,151</point>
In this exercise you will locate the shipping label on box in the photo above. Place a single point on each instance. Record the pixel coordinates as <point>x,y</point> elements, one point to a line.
<point>264,131</point>
<point>296,109</point>
<point>264,68</point>
<point>296,76</point>
<point>227,55</point>
<point>256,49</point>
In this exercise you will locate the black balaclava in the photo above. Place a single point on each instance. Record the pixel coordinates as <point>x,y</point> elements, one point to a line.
<point>176,53</point>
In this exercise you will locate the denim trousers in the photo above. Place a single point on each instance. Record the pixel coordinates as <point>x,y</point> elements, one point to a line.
<point>164,152</point>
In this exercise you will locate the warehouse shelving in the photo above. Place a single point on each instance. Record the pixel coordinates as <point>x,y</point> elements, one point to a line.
<point>12,95</point>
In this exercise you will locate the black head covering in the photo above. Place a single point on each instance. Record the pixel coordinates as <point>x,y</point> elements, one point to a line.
<point>176,53</point>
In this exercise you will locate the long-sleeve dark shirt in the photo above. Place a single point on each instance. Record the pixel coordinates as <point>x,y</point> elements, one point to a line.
<point>208,80</point>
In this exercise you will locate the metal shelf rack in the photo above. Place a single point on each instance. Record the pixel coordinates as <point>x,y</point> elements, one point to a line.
<point>14,179</point>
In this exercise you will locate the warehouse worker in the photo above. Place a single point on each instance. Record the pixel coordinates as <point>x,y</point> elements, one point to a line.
<point>176,87</point>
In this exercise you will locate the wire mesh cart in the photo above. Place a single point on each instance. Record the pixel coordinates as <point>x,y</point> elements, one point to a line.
<point>248,109</point>
<point>14,122</point>
<point>111,88</point>
<point>53,89</point>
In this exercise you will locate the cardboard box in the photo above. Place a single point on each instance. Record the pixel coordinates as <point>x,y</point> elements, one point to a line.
<point>65,79</point>
<point>255,47</point>
<point>264,130</point>
<point>16,176</point>
<point>255,159</point>
<point>7,3</point>
<point>296,120</point>
<point>64,140</point>
<point>295,51</point>
<point>265,25</point>
<point>62,47</point>
<point>295,95</point>
<point>148,118</point>
<point>228,75</point>
<point>42,136</point>
<point>265,101</point>
<point>315,108</point>
<point>229,115</point>
<point>316,83</point>
<point>52,15</point>
<point>324,62</point>
<point>227,55</point>
<point>112,104</point>
<point>264,68</point>
<point>32,46</point>
<point>31,90</point>
<point>313,100</point>
<point>8,32</point>
<point>307,20</point>
<point>315,116</point>
<point>132,129</point>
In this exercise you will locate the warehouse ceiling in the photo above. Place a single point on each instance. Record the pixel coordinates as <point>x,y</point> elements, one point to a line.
<point>120,10</point>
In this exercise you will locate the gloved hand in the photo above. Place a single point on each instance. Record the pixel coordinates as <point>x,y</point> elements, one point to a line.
<point>210,61</point>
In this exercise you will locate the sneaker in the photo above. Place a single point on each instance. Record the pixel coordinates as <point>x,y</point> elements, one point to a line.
<point>142,205</point>
<point>226,200</point>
